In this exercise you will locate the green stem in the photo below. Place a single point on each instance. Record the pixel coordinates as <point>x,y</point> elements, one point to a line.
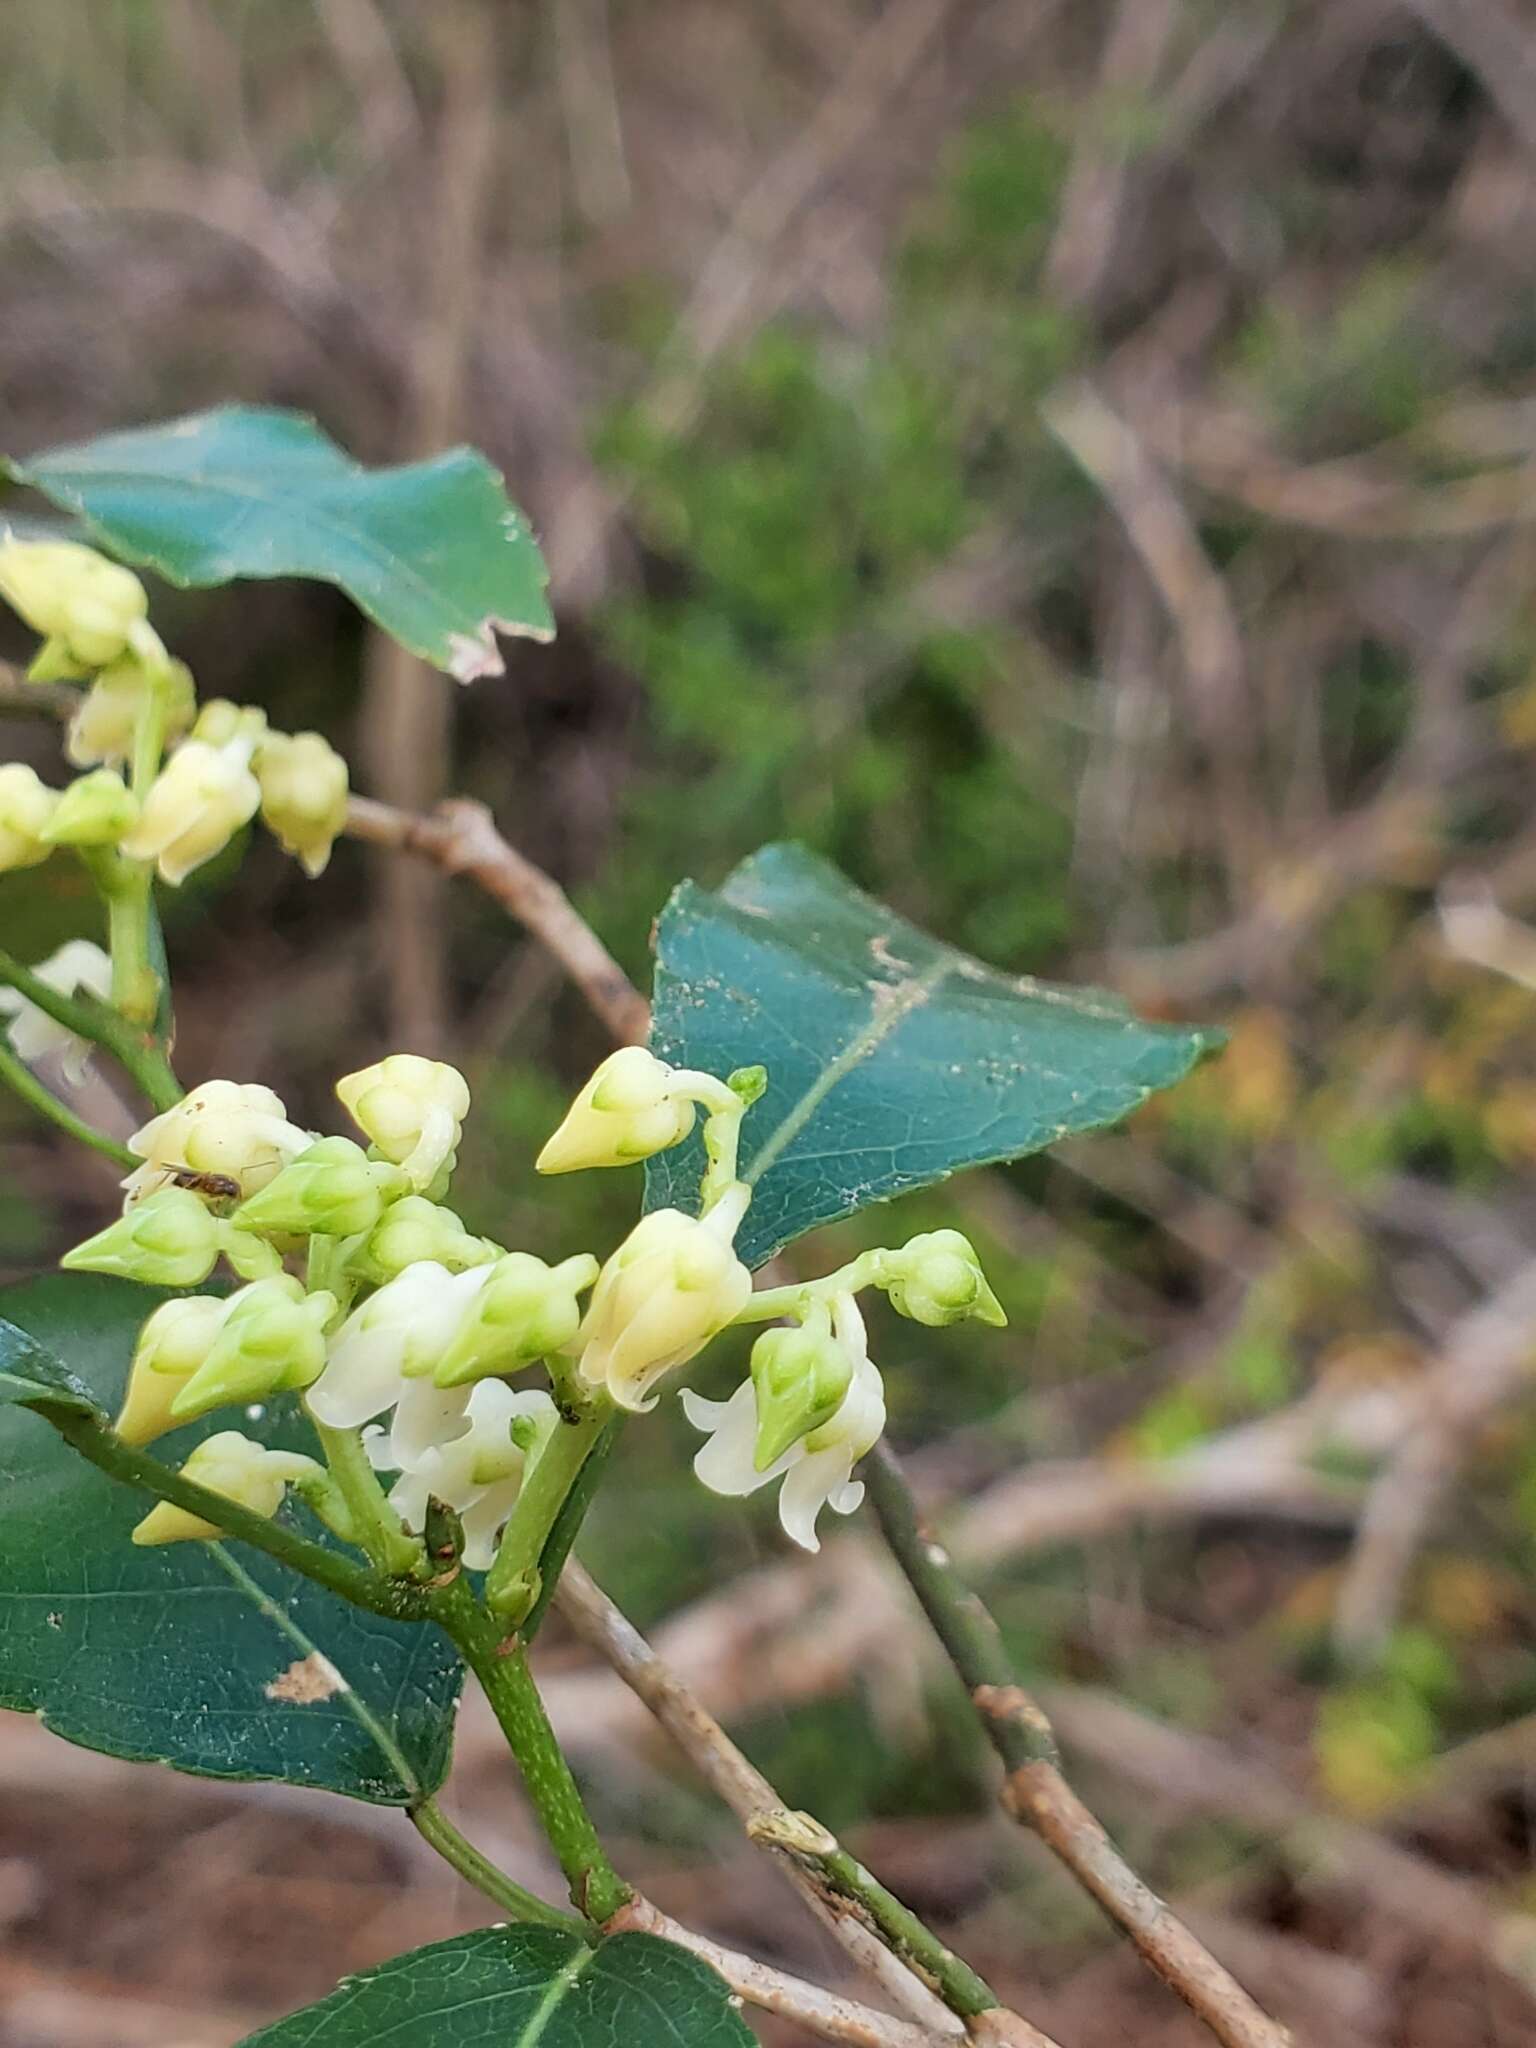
<point>25,1083</point>
<point>842,1878</point>
<point>435,1828</point>
<point>90,1436</point>
<point>1015,1727</point>
<point>771,1302</point>
<point>379,1532</point>
<point>128,1044</point>
<point>573,1512</point>
<point>135,984</point>
<point>513,1583</point>
<point>501,1665</point>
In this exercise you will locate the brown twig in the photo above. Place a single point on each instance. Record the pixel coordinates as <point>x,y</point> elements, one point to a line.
<point>461,838</point>
<point>1036,1793</point>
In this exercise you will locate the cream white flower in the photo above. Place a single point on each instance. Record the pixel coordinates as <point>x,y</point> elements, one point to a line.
<point>478,1474</point>
<point>412,1108</point>
<point>78,600</point>
<point>817,1471</point>
<point>235,1129</point>
<point>241,1470</point>
<point>78,965</point>
<point>383,1355</point>
<point>26,805</point>
<point>195,806</point>
<point>630,1109</point>
<point>104,722</point>
<point>303,794</point>
<point>670,1287</point>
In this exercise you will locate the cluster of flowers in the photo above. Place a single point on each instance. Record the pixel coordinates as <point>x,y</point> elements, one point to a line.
<point>409,1328</point>
<point>225,763</point>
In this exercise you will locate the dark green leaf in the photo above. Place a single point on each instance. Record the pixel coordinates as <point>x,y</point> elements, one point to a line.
<point>514,1987</point>
<point>169,1653</point>
<point>433,552</point>
<point>893,1060</point>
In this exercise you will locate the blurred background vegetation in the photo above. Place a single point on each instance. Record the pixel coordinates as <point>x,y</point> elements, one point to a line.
<point>1074,466</point>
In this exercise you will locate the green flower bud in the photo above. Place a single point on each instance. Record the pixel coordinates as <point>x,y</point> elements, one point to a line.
<point>95,810</point>
<point>333,1188</point>
<point>271,1340</point>
<point>414,1229</point>
<point>937,1279</point>
<point>525,1310</point>
<point>800,1377</point>
<point>167,1240</point>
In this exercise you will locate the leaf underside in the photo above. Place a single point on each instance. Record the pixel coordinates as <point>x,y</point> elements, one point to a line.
<point>893,1060</point>
<point>434,552</point>
<point>524,1987</point>
<point>210,1658</point>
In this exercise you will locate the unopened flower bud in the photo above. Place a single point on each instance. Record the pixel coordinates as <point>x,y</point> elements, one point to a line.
<point>168,1240</point>
<point>671,1286</point>
<point>303,795</point>
<point>84,606</point>
<point>937,1279</point>
<point>223,724</point>
<point>171,1346</point>
<point>95,810</point>
<point>412,1108</point>
<point>195,806</point>
<point>233,1465</point>
<point>800,1377</point>
<point>104,722</point>
<point>414,1229</point>
<point>525,1310</point>
<point>333,1188</point>
<point>270,1341</point>
<point>78,966</point>
<point>26,805</point>
<point>627,1111</point>
<point>228,1130</point>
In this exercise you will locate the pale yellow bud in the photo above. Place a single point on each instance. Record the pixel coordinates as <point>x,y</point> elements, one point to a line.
<point>242,1471</point>
<point>223,724</point>
<point>627,1111</point>
<point>172,1345</point>
<point>106,718</point>
<point>412,1108</point>
<point>26,805</point>
<point>78,600</point>
<point>195,806</point>
<point>670,1287</point>
<point>303,795</point>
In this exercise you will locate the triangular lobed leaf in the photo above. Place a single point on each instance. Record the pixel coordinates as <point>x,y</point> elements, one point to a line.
<point>210,1658</point>
<point>893,1060</point>
<point>434,552</point>
<point>524,1987</point>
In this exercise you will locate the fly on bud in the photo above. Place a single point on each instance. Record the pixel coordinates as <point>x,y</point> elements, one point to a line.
<point>26,806</point>
<point>671,1286</point>
<point>333,1189</point>
<point>168,1240</point>
<point>629,1110</point>
<point>243,1471</point>
<point>270,1340</point>
<point>171,1346</point>
<point>414,1229</point>
<point>412,1109</point>
<point>85,607</point>
<point>937,1279</point>
<point>800,1378</point>
<point>236,1130</point>
<point>79,966</point>
<point>95,810</point>
<point>195,806</point>
<point>525,1310</point>
<point>303,795</point>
